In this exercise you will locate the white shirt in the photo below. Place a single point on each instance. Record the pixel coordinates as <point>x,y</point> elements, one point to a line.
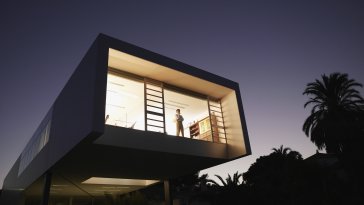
<point>178,117</point>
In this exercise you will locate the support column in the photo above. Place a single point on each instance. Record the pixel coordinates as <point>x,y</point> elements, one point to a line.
<point>46,188</point>
<point>167,193</point>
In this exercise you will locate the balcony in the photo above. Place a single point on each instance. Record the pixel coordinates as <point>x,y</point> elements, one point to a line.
<point>145,104</point>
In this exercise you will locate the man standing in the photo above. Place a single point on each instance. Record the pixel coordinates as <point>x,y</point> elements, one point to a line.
<point>179,119</point>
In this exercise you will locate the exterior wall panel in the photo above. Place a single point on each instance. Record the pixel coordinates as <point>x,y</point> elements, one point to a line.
<point>159,142</point>
<point>75,110</point>
<point>76,114</point>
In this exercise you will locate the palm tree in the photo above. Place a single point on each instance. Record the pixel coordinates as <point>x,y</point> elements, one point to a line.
<point>230,181</point>
<point>286,152</point>
<point>281,150</point>
<point>333,99</point>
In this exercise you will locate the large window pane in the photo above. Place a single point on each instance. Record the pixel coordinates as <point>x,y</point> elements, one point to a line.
<point>64,191</point>
<point>193,110</point>
<point>124,102</point>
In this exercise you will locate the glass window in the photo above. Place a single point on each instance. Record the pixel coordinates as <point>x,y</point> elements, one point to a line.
<point>35,145</point>
<point>192,109</point>
<point>128,98</point>
<point>64,191</point>
<point>124,102</point>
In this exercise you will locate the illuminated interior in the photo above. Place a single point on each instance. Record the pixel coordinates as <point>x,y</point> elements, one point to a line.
<point>124,102</point>
<point>125,107</point>
<point>147,69</point>
<point>119,181</point>
<point>207,107</point>
<point>95,190</point>
<point>192,109</point>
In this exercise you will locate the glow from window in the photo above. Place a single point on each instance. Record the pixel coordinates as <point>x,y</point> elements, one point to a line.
<point>124,102</point>
<point>192,109</point>
<point>119,181</point>
<point>128,98</point>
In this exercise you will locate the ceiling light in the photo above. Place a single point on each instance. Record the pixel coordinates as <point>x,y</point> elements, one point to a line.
<point>119,181</point>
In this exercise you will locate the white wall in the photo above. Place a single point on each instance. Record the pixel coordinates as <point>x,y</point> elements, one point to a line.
<point>233,126</point>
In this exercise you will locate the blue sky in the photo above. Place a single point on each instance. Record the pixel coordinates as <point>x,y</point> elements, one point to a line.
<point>271,48</point>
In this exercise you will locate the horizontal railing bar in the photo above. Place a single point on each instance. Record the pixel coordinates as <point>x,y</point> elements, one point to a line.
<point>154,95</point>
<point>154,126</point>
<point>154,106</point>
<point>154,101</point>
<point>212,110</point>
<point>219,113</point>
<point>154,113</point>
<point>151,82</point>
<point>155,120</point>
<point>154,90</point>
<point>214,106</point>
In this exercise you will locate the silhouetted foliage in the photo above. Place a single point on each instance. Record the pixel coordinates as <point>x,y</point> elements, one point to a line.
<point>274,168</point>
<point>191,188</point>
<point>189,182</point>
<point>230,181</point>
<point>283,177</point>
<point>287,152</point>
<point>334,121</point>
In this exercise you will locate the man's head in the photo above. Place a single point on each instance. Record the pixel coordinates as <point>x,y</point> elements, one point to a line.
<point>178,111</point>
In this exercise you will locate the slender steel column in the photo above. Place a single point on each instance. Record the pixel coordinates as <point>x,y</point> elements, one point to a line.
<point>167,193</point>
<point>46,188</point>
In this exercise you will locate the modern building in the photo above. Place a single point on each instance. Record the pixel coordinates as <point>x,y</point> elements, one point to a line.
<point>112,128</point>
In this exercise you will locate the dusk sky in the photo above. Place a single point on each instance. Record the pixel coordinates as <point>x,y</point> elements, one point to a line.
<point>271,48</point>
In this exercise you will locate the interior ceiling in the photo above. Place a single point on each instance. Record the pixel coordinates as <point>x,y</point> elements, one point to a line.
<point>144,68</point>
<point>61,186</point>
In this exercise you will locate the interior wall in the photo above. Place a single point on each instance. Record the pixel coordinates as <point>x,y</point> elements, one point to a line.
<point>233,126</point>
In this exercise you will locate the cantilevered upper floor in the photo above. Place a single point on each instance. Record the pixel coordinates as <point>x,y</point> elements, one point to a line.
<point>115,119</point>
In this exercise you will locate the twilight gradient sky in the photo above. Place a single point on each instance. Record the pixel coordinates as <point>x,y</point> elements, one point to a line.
<point>271,48</point>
